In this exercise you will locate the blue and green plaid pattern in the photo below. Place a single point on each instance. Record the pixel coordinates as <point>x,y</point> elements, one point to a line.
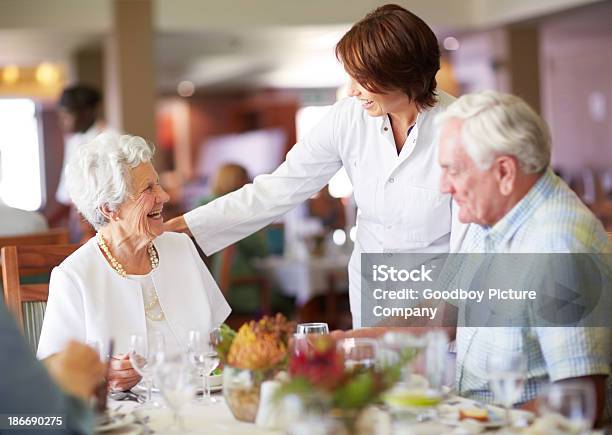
<point>549,219</point>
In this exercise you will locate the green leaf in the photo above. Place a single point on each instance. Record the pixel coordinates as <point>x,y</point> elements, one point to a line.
<point>227,337</point>
<point>356,393</point>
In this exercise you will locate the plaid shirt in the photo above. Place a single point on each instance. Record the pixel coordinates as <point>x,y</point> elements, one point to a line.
<point>549,219</point>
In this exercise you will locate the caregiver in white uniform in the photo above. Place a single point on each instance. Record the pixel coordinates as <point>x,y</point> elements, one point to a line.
<point>384,136</point>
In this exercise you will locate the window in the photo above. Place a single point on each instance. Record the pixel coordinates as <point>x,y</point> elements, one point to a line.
<point>20,163</point>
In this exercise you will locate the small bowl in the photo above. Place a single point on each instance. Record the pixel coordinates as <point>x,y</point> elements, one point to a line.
<point>215,381</point>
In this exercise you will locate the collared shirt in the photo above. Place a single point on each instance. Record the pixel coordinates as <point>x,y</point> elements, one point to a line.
<point>400,206</point>
<point>549,219</point>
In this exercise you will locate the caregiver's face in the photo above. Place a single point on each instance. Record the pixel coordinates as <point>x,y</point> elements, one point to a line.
<point>141,213</point>
<point>377,104</point>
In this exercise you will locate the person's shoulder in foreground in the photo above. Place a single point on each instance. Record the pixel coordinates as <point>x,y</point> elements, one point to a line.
<point>25,385</point>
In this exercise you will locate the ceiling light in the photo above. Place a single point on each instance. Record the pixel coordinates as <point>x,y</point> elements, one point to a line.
<point>185,88</point>
<point>451,43</point>
<point>47,74</point>
<point>10,74</point>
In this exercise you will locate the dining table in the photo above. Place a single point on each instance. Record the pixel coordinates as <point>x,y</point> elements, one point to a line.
<point>216,418</point>
<point>305,278</point>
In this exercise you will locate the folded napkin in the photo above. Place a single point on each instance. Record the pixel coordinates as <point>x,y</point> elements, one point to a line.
<point>268,414</point>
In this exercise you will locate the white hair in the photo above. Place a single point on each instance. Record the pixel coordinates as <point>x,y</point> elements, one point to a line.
<point>99,174</point>
<point>497,124</point>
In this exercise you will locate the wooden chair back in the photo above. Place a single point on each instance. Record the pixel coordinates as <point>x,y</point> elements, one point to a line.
<point>55,236</point>
<point>19,261</point>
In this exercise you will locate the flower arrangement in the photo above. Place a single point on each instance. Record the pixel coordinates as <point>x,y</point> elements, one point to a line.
<point>253,354</point>
<point>319,377</point>
<point>258,345</point>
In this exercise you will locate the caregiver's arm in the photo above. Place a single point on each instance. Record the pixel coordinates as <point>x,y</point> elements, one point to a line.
<point>307,168</point>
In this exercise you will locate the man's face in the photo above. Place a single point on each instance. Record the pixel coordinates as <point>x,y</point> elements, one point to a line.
<point>476,192</point>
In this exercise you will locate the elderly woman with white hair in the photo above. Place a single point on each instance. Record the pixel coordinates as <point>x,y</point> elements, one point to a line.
<point>129,278</point>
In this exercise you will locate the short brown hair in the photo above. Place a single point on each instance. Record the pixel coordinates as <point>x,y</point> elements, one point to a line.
<point>392,49</point>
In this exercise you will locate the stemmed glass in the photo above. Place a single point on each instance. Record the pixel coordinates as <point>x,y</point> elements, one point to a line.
<point>146,354</point>
<point>312,328</point>
<point>304,332</point>
<point>359,353</point>
<point>203,356</point>
<point>174,378</point>
<point>574,400</point>
<point>507,374</point>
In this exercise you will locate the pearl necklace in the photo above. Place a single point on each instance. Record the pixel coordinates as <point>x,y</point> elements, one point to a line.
<point>153,258</point>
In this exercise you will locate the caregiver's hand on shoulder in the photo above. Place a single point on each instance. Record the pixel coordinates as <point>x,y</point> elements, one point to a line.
<point>177,225</point>
<point>121,375</point>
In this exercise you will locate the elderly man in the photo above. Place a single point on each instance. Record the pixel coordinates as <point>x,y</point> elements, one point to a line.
<point>495,159</point>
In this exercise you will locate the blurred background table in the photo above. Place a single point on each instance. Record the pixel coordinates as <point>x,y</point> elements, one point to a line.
<point>318,284</point>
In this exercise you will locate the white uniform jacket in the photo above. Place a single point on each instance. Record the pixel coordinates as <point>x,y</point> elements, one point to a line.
<point>400,206</point>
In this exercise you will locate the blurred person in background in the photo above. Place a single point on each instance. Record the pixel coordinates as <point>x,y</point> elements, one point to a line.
<point>129,278</point>
<point>385,138</point>
<point>61,390</point>
<point>79,115</point>
<point>14,221</point>
<point>244,298</point>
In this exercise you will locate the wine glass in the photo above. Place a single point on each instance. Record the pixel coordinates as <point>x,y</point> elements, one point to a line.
<point>174,378</point>
<point>312,328</point>
<point>574,400</point>
<point>359,353</point>
<point>304,334</point>
<point>507,374</point>
<point>146,353</point>
<point>203,356</point>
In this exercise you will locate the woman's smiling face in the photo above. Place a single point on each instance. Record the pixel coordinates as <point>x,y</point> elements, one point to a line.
<point>377,104</point>
<point>141,212</point>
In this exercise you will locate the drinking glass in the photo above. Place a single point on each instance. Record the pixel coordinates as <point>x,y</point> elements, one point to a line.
<point>359,353</point>
<point>174,378</point>
<point>312,328</point>
<point>507,374</point>
<point>146,353</point>
<point>574,400</point>
<point>305,333</point>
<point>203,356</point>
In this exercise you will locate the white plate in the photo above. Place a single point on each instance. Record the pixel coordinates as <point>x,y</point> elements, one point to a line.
<point>496,418</point>
<point>116,421</point>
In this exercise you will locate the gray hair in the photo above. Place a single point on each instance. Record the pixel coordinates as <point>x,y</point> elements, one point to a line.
<point>497,124</point>
<point>99,174</point>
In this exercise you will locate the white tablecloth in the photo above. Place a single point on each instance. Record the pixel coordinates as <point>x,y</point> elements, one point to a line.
<point>199,419</point>
<point>217,419</point>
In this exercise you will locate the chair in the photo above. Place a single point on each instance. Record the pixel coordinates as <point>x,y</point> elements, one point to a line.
<point>610,236</point>
<point>226,281</point>
<point>19,261</point>
<point>55,236</point>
